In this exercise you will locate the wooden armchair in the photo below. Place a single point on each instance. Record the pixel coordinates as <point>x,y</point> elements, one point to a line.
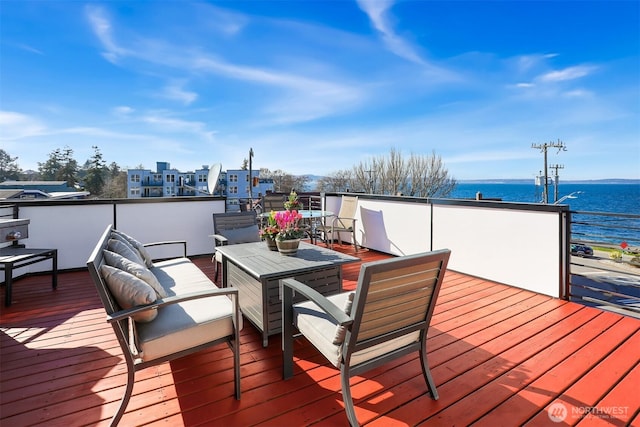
<point>386,317</point>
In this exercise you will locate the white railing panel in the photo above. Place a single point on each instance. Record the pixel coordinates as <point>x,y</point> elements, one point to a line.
<point>395,227</point>
<point>71,229</point>
<point>517,247</point>
<point>506,243</point>
<point>152,222</point>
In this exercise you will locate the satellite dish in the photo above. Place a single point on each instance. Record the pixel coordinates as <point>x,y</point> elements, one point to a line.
<point>212,178</point>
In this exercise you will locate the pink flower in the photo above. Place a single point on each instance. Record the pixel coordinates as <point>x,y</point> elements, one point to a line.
<point>289,225</point>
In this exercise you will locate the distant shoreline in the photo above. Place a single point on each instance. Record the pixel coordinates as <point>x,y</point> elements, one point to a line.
<point>531,181</point>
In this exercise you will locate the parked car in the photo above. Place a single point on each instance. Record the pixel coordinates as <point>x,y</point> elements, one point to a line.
<point>581,250</point>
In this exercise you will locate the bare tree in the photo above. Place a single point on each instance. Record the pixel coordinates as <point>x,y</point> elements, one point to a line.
<point>419,176</point>
<point>337,181</point>
<point>429,176</point>
<point>116,183</point>
<point>283,182</point>
<point>364,176</point>
<point>396,174</point>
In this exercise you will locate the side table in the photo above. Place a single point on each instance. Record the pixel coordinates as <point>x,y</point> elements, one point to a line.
<point>17,257</point>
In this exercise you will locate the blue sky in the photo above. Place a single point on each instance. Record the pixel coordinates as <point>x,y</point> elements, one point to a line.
<point>318,86</point>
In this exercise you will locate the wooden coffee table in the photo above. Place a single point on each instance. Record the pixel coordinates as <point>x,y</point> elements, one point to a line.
<point>256,272</point>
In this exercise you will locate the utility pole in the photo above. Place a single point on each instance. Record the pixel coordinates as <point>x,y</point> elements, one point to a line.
<point>556,181</point>
<point>543,148</point>
<point>250,178</point>
<point>370,181</point>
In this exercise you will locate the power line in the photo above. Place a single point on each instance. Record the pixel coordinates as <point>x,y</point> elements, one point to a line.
<point>543,148</point>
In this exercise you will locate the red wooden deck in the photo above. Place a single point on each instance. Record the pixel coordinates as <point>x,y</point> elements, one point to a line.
<point>499,356</point>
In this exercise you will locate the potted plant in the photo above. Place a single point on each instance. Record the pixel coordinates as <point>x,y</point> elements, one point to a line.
<point>270,230</point>
<point>292,203</point>
<point>290,232</point>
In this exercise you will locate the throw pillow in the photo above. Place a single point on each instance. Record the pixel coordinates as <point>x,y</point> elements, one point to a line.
<point>138,246</point>
<point>242,235</point>
<point>140,271</point>
<point>341,331</point>
<point>129,291</point>
<point>118,246</point>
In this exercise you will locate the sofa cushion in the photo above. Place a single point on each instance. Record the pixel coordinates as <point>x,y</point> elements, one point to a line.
<point>179,275</point>
<point>144,253</point>
<point>129,291</point>
<point>115,260</point>
<point>118,246</point>
<point>189,323</point>
<point>242,235</point>
<point>185,325</point>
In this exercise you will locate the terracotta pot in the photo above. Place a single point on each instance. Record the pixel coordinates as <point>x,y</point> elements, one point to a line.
<point>288,247</point>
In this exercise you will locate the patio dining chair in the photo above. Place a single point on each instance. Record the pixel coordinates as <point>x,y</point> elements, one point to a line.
<point>344,222</point>
<point>230,228</point>
<point>273,202</point>
<point>387,317</point>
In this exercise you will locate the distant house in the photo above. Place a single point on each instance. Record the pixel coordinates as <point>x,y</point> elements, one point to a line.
<point>39,190</point>
<point>234,184</point>
<point>166,182</point>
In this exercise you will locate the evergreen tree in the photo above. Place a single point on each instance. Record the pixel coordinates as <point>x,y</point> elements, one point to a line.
<point>69,171</point>
<point>49,169</point>
<point>61,166</point>
<point>96,170</point>
<point>9,169</point>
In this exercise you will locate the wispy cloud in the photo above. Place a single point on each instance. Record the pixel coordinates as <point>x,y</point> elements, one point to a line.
<point>175,91</point>
<point>221,20</point>
<point>16,126</point>
<point>167,123</point>
<point>380,16</point>
<point>30,49</point>
<point>122,110</point>
<point>570,73</point>
<point>377,11</point>
<point>304,98</point>
<point>300,98</point>
<point>101,26</point>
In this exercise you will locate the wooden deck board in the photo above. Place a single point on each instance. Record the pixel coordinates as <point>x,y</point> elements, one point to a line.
<point>499,356</point>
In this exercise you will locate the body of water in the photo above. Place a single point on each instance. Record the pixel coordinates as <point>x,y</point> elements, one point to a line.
<point>618,198</point>
<point>585,197</point>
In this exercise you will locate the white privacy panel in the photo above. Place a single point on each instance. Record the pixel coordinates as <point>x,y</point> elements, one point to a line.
<point>516,247</point>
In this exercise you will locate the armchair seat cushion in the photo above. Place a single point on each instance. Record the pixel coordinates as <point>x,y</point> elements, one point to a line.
<point>319,328</point>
